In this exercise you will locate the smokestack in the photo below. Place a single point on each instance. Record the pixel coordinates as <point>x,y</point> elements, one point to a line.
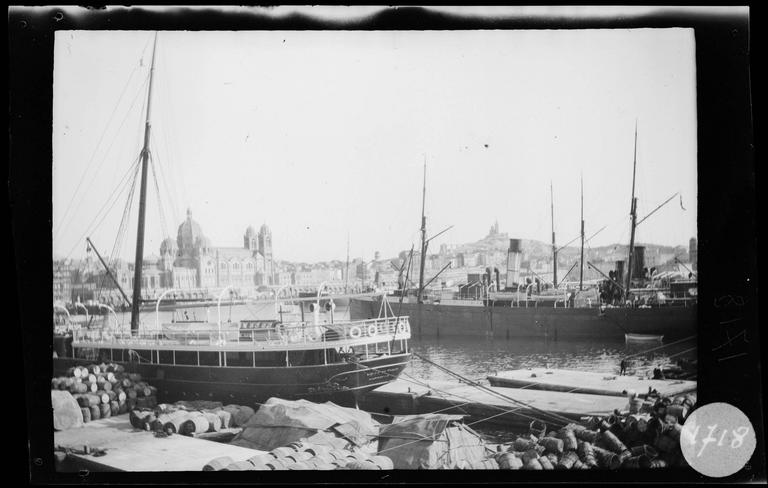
<point>638,262</point>
<point>498,283</point>
<point>513,263</point>
<point>620,271</point>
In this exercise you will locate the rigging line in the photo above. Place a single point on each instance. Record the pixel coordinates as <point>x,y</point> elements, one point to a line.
<point>661,347</point>
<point>163,225</point>
<point>98,144</point>
<point>114,196</point>
<point>120,239</point>
<point>121,228</point>
<point>488,390</point>
<point>172,194</point>
<point>96,172</point>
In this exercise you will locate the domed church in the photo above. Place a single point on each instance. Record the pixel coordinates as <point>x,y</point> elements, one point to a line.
<point>192,262</point>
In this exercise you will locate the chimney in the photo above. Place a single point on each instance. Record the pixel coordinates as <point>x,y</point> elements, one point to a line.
<point>513,263</point>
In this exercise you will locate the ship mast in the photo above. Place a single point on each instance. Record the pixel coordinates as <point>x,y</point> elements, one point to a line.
<point>581,263</point>
<point>554,248</point>
<point>139,261</point>
<point>346,280</point>
<point>423,234</point>
<point>633,215</point>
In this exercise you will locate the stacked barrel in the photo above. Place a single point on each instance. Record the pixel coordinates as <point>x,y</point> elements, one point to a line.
<point>640,440</point>
<point>303,456</point>
<point>190,418</point>
<point>106,389</point>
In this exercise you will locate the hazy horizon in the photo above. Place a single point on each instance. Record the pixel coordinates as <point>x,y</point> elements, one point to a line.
<point>323,135</point>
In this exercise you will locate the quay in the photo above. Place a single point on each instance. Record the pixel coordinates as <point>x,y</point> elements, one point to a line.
<point>570,381</point>
<point>402,397</point>
<point>127,449</point>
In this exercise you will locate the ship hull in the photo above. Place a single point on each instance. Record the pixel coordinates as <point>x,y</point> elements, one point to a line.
<point>435,320</point>
<point>341,383</point>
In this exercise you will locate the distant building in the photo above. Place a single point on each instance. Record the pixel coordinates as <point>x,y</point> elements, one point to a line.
<point>62,282</point>
<point>693,252</point>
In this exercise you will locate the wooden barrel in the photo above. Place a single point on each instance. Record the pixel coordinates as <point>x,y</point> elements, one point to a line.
<point>106,386</point>
<point>569,440</point>
<point>95,412</point>
<point>80,387</point>
<point>609,440</point>
<point>567,460</point>
<point>383,462</point>
<point>606,458</point>
<point>673,431</point>
<point>340,463</point>
<point>75,371</point>
<point>214,422</point>
<point>94,369</point>
<point>93,399</point>
<point>523,444</point>
<point>318,450</point>
<point>319,465</point>
<point>533,464</point>
<point>103,397</point>
<point>677,412</point>
<point>111,377</point>
<point>126,382</point>
<point>105,411</point>
<point>135,377</point>
<point>546,462</point>
<point>276,464</point>
<point>530,454</point>
<point>195,424</point>
<point>121,396</point>
<point>86,414</point>
<point>218,463</point>
<point>587,454</point>
<point>361,465</point>
<point>82,401</point>
<point>281,452</point>
<point>173,421</point>
<point>123,407</point>
<point>537,428</point>
<point>112,396</point>
<point>226,418</point>
<point>131,392</point>
<point>552,445</point>
<point>509,461</point>
<point>100,380</point>
<point>657,463</point>
<point>93,387</point>
<point>338,453</point>
<point>300,456</point>
<point>114,408</point>
<point>586,435</point>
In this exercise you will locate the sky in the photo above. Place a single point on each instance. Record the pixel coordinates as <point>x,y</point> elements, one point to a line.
<point>322,135</point>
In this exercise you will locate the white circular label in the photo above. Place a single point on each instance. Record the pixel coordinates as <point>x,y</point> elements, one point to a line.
<point>717,439</point>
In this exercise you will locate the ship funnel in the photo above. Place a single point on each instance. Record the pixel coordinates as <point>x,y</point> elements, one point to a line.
<point>638,262</point>
<point>513,263</point>
<point>620,271</point>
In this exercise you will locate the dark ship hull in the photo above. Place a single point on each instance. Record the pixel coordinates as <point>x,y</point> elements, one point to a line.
<point>341,383</point>
<point>436,320</point>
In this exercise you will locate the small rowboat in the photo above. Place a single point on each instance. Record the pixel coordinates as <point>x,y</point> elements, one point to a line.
<point>643,338</point>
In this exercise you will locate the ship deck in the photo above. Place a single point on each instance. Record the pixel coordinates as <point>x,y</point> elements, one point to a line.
<point>563,380</point>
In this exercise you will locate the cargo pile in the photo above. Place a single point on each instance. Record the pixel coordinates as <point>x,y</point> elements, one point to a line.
<point>190,418</point>
<point>106,389</point>
<point>646,437</point>
<point>303,456</point>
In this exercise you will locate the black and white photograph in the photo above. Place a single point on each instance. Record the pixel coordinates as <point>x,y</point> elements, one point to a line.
<point>400,240</point>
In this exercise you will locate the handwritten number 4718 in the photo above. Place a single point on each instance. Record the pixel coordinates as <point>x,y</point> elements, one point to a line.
<point>736,442</point>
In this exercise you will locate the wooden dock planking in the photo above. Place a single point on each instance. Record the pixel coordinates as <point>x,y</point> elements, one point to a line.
<point>565,380</point>
<point>130,450</point>
<point>450,397</point>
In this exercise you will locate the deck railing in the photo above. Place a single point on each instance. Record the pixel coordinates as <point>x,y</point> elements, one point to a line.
<point>272,336</point>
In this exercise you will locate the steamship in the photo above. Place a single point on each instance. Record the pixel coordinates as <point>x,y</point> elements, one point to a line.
<point>245,362</point>
<point>624,303</point>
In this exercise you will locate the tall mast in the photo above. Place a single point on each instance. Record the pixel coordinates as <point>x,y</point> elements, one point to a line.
<point>554,248</point>
<point>423,234</point>
<point>139,261</point>
<point>633,215</point>
<point>581,263</point>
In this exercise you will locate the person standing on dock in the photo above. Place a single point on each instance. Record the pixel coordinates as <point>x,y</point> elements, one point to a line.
<point>623,366</point>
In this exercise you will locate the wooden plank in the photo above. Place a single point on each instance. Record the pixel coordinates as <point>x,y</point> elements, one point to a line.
<point>587,382</point>
<point>130,450</point>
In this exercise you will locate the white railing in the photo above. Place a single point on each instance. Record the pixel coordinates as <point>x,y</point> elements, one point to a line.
<point>277,336</point>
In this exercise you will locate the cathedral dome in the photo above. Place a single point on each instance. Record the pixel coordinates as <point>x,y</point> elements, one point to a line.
<point>189,233</point>
<point>250,231</point>
<point>168,246</point>
<point>264,229</point>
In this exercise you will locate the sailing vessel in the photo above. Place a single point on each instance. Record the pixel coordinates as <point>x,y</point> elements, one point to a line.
<point>245,362</point>
<point>555,314</point>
